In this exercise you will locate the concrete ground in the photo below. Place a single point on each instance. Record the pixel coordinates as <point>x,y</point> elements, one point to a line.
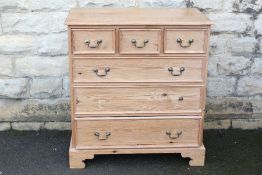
<point>46,153</point>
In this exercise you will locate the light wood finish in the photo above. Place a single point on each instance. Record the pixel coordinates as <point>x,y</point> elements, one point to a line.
<point>137,82</point>
<point>148,70</point>
<point>136,16</point>
<point>128,132</point>
<point>138,100</point>
<point>139,41</point>
<point>171,44</point>
<point>78,156</point>
<point>80,36</point>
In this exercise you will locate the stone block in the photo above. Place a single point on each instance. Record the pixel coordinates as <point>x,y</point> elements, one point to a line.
<point>52,44</point>
<point>57,126</point>
<point>6,67</point>
<point>107,3</point>
<point>35,110</point>
<point>51,5</point>
<point>214,5</point>
<point>5,126</point>
<point>163,3</point>
<point>246,6</point>
<point>256,104</point>
<point>14,88</point>
<point>240,46</point>
<point>45,87</point>
<point>220,86</point>
<point>13,5</point>
<point>229,106</point>
<point>41,66</point>
<point>250,85</point>
<point>217,124</point>
<point>212,65</point>
<point>247,123</point>
<point>230,22</point>
<point>35,22</point>
<point>256,67</point>
<point>260,46</point>
<point>221,44</point>
<point>16,44</point>
<point>258,24</point>
<point>66,87</point>
<point>233,65</point>
<point>27,126</point>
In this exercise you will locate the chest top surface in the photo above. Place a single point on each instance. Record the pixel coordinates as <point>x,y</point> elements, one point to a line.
<point>136,16</point>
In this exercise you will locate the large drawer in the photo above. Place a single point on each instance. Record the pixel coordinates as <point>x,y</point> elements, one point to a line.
<point>137,100</point>
<point>138,70</point>
<point>124,132</point>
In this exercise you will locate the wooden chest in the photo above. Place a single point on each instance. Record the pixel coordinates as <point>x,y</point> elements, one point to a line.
<point>138,82</point>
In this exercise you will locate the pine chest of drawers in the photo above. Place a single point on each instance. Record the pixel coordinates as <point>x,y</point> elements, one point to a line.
<point>138,82</point>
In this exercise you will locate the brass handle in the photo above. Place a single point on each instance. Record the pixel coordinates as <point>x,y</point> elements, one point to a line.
<point>97,43</point>
<point>134,42</point>
<point>172,71</point>
<point>180,42</point>
<point>102,135</point>
<point>106,70</point>
<point>172,135</point>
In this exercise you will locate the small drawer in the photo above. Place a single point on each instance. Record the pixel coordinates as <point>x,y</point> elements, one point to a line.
<point>138,70</point>
<point>139,41</point>
<point>185,41</point>
<point>123,132</point>
<point>137,100</point>
<point>93,41</point>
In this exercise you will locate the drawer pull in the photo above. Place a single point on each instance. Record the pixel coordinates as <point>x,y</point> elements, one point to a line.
<point>172,71</point>
<point>102,135</point>
<point>172,135</point>
<point>106,70</point>
<point>134,42</point>
<point>180,42</point>
<point>97,43</point>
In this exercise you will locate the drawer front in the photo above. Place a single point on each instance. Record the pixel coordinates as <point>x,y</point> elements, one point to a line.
<point>138,70</point>
<point>143,100</point>
<point>126,132</point>
<point>185,41</point>
<point>139,41</point>
<point>93,41</point>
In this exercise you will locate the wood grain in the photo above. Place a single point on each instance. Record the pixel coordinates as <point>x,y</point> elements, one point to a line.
<point>138,100</point>
<point>148,70</point>
<point>115,100</point>
<point>77,156</point>
<point>126,132</point>
<point>171,45</point>
<point>140,35</point>
<point>136,16</point>
<point>79,37</point>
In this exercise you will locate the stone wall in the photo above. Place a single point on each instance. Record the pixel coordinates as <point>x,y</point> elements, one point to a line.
<point>34,82</point>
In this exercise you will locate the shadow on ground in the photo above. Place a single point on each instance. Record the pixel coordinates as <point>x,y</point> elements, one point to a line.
<point>46,153</point>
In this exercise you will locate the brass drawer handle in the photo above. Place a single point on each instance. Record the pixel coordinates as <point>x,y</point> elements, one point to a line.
<point>172,71</point>
<point>106,70</point>
<point>180,42</point>
<point>97,43</point>
<point>134,42</point>
<point>102,135</point>
<point>172,135</point>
